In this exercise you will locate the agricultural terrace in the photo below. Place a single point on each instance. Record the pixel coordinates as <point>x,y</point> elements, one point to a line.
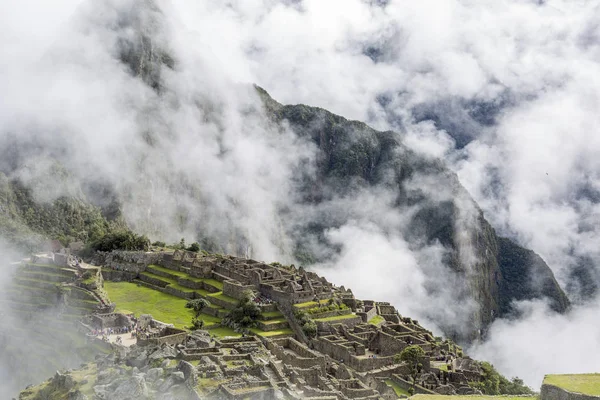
<point>580,383</point>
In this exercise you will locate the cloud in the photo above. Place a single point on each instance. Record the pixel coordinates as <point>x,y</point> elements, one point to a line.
<point>542,342</point>
<point>521,75</point>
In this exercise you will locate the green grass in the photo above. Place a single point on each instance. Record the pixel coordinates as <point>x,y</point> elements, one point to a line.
<point>220,295</point>
<point>209,320</point>
<point>164,307</point>
<point>274,321</point>
<point>212,282</point>
<point>399,391</point>
<point>376,320</point>
<point>215,283</point>
<point>336,318</point>
<point>581,383</point>
<point>161,278</point>
<point>258,332</point>
<point>169,271</point>
<point>441,366</point>
<point>309,304</point>
<point>272,314</point>
<point>469,397</point>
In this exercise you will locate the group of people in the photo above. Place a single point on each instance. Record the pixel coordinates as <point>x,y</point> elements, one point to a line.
<point>261,299</point>
<point>112,331</point>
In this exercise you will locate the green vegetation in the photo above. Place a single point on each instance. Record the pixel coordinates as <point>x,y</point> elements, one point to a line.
<point>197,305</point>
<point>27,223</point>
<point>169,271</point>
<point>413,356</point>
<point>309,327</point>
<point>397,388</point>
<point>285,331</point>
<point>517,264</point>
<point>311,304</point>
<point>468,397</point>
<point>195,247</point>
<point>138,300</point>
<point>327,308</point>
<point>493,383</point>
<point>580,383</point>
<point>244,315</point>
<point>376,320</point>
<point>336,318</point>
<point>224,297</point>
<point>121,240</point>
<point>272,314</point>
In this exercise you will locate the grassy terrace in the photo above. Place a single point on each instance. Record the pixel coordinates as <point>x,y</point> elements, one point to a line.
<point>212,282</point>
<point>399,391</point>
<point>336,318</point>
<point>258,332</point>
<point>131,298</point>
<point>221,296</point>
<point>310,304</point>
<point>376,320</point>
<point>138,300</point>
<point>274,321</point>
<point>271,314</point>
<point>469,397</point>
<point>580,383</point>
<point>169,271</point>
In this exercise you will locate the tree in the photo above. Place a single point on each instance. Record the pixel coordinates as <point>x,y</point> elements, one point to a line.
<point>413,356</point>
<point>197,305</point>
<point>195,247</point>
<point>310,328</point>
<point>492,383</point>
<point>245,314</point>
<point>121,240</point>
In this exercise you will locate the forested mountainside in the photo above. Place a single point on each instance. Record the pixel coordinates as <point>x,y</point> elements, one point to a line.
<point>341,172</point>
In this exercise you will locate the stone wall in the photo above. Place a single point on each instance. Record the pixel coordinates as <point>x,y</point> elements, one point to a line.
<point>368,315</point>
<point>172,337</point>
<point>304,357</point>
<point>349,322</point>
<point>131,261</point>
<point>551,392</point>
<point>387,344</point>
<point>406,385</point>
<point>229,392</point>
<point>118,276</point>
<point>355,389</point>
<point>197,354</point>
<point>327,314</point>
<point>272,326</point>
<point>235,289</point>
<point>180,293</point>
<point>113,320</point>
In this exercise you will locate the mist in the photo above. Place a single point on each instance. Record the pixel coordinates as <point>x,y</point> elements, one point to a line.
<point>505,92</point>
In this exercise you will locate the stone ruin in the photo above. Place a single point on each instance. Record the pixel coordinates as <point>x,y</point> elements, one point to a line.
<point>349,358</point>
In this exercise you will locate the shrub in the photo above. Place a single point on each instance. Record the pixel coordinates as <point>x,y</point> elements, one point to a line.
<point>310,328</point>
<point>195,247</point>
<point>121,240</point>
<point>245,314</point>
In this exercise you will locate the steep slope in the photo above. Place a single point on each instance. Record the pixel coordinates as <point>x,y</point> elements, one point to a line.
<point>525,275</point>
<point>28,217</point>
<point>495,271</point>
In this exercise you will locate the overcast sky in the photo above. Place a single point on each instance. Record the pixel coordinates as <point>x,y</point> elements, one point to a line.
<point>507,92</point>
